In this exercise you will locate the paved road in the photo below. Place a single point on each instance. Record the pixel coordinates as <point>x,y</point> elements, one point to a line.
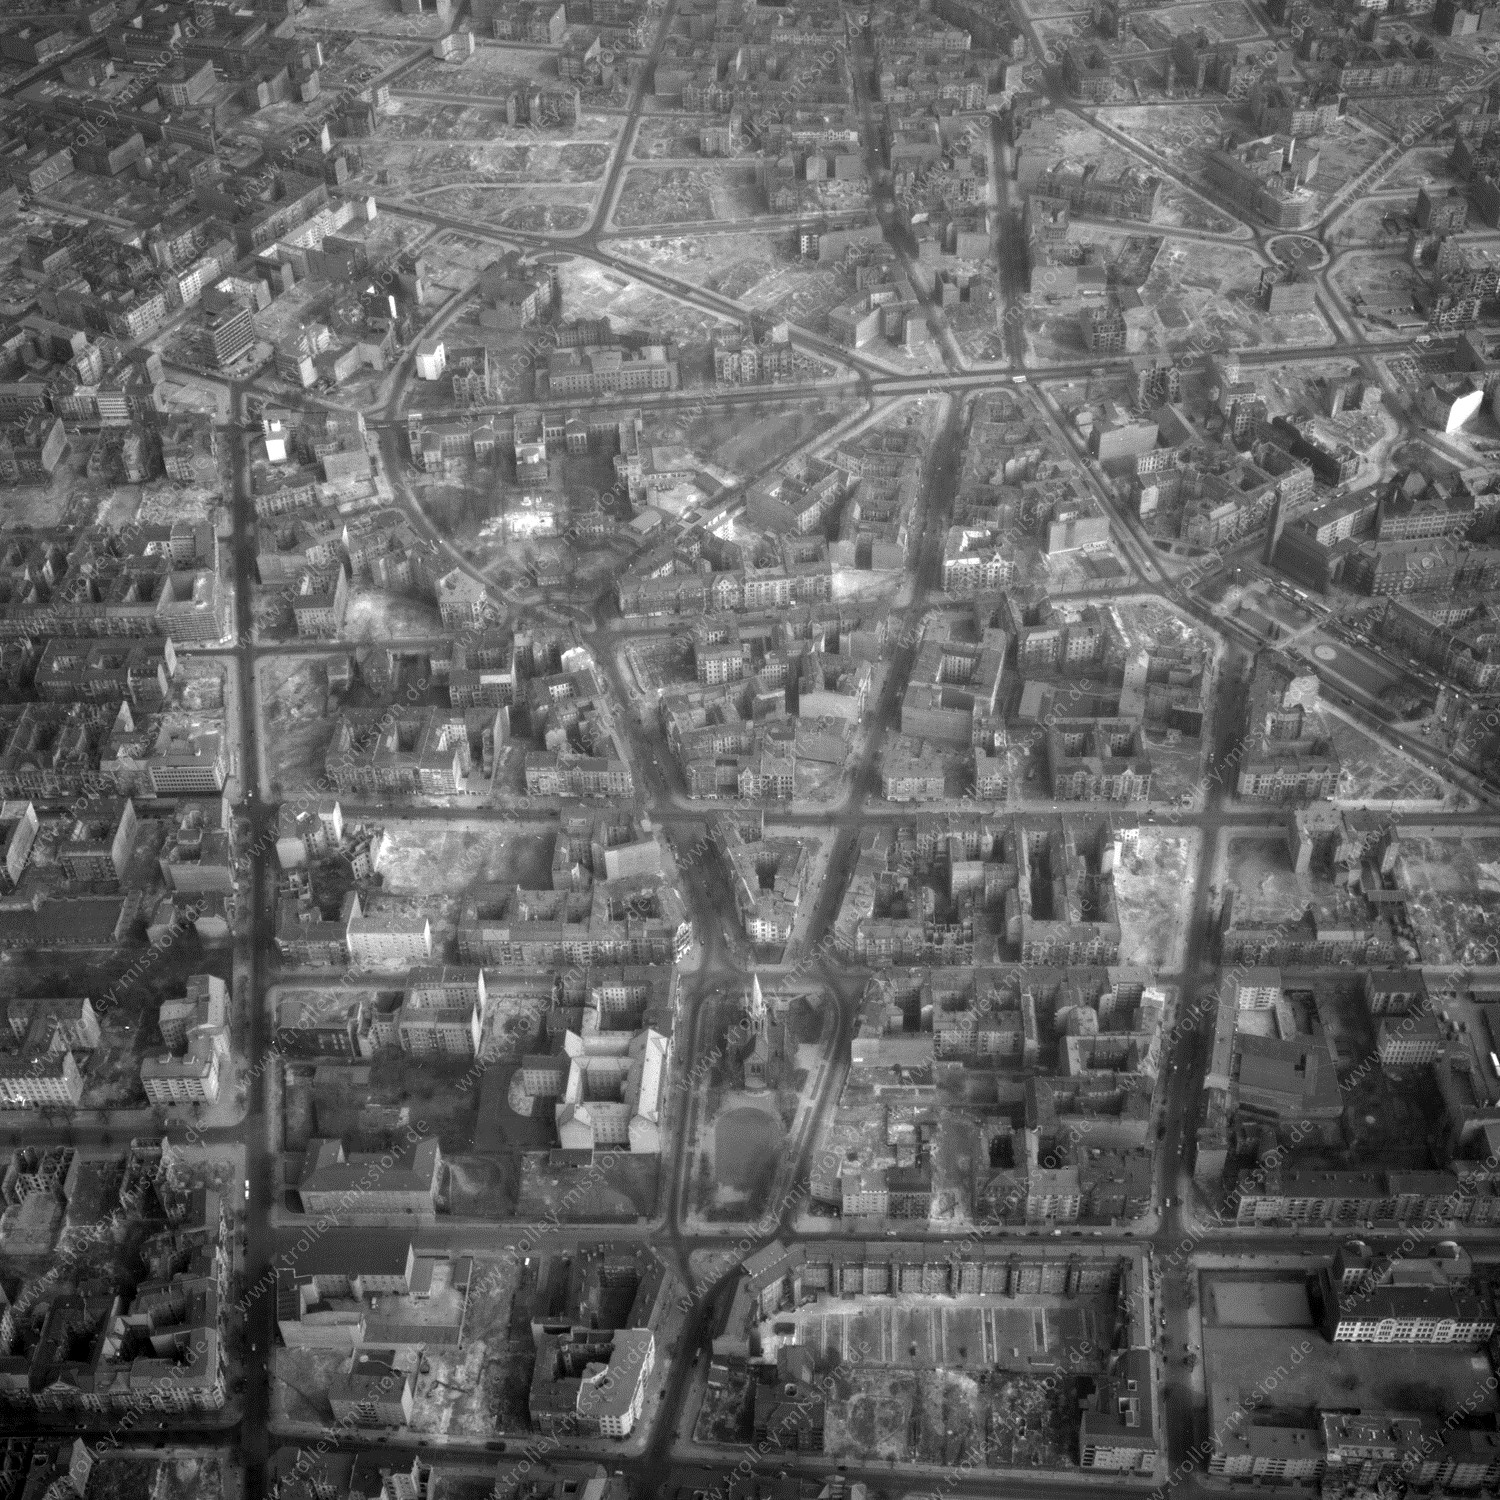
<point>870,380</point>
<point>259,1320</point>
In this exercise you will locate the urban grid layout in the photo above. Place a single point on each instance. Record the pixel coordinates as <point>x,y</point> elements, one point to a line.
<point>749,749</point>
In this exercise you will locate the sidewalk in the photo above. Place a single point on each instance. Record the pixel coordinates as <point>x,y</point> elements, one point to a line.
<point>893,1473</point>
<point>280,1217</point>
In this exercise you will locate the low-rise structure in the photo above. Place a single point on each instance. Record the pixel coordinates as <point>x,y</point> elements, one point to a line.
<point>347,1185</point>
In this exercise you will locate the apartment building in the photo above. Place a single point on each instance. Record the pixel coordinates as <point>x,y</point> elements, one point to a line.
<point>87,1355</point>
<point>741,359</point>
<point>1050,865</point>
<point>19,825</point>
<point>1245,1449</point>
<point>1409,1315</point>
<point>628,921</point>
<point>39,1081</point>
<point>1409,1041</point>
<point>606,371</point>
<point>1120,1432</point>
<point>320,603</point>
<point>483,671</point>
<point>97,845</point>
<point>1269,178</point>
<point>515,292</point>
<point>31,450</point>
<point>613,1098</point>
<point>1467,654</point>
<point>418,750</point>
<point>192,1079</point>
<point>187,761</point>
<point>976,560</point>
<point>769,877</point>
<point>303,833</point>
<point>781,1277</point>
<point>373,1391</point>
<point>464,601</point>
<point>317,1023</point>
<point>307,938</point>
<point>887,1192</point>
<point>1098,760</point>
<point>1352,1199</point>
<point>910,774</point>
<point>70,1021</point>
<point>231,333</point>
<point>1285,749</point>
<point>592,1382</point>
<point>442,1012</point>
<point>388,941</point>
<point>75,670</point>
<point>196,1029</point>
<point>954,688</point>
<point>550,773</point>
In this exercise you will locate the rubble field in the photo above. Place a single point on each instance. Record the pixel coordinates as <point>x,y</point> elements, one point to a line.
<point>1453,896</point>
<point>450,856</point>
<point>1266,888</point>
<point>686,195</point>
<point>294,709</point>
<point>547,208</point>
<point>1149,882</point>
<point>461,163</point>
<point>949,1417</point>
<point>1374,772</point>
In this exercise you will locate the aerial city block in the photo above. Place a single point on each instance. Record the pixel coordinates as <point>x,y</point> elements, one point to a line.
<point>749,749</point>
